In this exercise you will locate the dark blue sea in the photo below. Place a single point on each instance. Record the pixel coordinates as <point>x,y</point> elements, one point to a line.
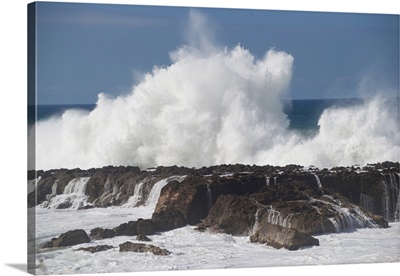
<point>304,114</point>
<point>47,111</point>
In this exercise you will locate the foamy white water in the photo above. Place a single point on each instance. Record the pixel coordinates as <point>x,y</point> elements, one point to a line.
<point>182,115</point>
<point>137,196</point>
<point>318,181</point>
<point>200,110</point>
<point>155,192</point>
<point>361,134</point>
<point>194,250</point>
<point>73,195</point>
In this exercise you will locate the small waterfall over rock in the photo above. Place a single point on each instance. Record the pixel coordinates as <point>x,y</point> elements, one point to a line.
<point>209,196</point>
<point>155,192</point>
<point>275,183</point>
<point>397,210</point>
<point>351,218</point>
<point>318,181</point>
<point>367,202</point>
<point>394,196</point>
<point>390,197</point>
<point>275,217</point>
<point>45,204</point>
<point>267,180</point>
<point>256,222</point>
<point>32,183</point>
<point>146,193</point>
<point>385,199</point>
<point>141,193</point>
<point>347,220</point>
<point>54,188</point>
<point>73,196</point>
<point>137,196</point>
<point>53,191</point>
<point>111,192</point>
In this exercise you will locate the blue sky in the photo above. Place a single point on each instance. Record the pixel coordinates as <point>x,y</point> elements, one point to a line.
<point>85,49</point>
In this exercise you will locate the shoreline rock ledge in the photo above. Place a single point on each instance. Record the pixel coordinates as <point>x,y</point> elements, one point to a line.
<point>284,207</point>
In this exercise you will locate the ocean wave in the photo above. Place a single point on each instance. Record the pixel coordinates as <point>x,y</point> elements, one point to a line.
<point>222,106</point>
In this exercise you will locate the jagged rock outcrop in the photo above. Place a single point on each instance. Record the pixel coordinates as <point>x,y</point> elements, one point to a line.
<point>143,248</point>
<point>231,214</point>
<point>282,237</point>
<point>101,233</point>
<point>107,186</point>
<point>95,249</point>
<point>231,198</point>
<point>166,220</point>
<point>69,238</point>
<point>309,217</point>
<point>133,228</point>
<point>142,237</point>
<point>126,229</point>
<point>145,227</point>
<point>374,190</point>
<point>189,201</point>
<point>181,203</point>
<point>113,186</point>
<point>370,186</point>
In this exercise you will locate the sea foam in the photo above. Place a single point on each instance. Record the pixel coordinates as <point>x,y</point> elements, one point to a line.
<point>199,111</point>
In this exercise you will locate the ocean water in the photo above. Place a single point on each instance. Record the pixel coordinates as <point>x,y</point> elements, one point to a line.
<point>305,114</point>
<point>47,111</point>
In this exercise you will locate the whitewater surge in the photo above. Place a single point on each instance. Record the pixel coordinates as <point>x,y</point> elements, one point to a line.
<point>359,134</point>
<point>72,197</point>
<point>222,106</point>
<point>212,251</point>
<point>199,111</point>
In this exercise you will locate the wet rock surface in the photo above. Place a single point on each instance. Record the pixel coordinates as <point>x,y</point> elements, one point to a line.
<point>231,214</point>
<point>69,238</point>
<point>143,248</point>
<point>142,237</point>
<point>236,199</point>
<point>126,229</point>
<point>100,233</point>
<point>282,237</point>
<point>95,249</point>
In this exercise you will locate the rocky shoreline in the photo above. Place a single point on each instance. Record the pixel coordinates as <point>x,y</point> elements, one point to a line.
<point>283,207</point>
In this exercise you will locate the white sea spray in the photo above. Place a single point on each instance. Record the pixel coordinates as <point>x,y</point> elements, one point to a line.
<point>214,105</point>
